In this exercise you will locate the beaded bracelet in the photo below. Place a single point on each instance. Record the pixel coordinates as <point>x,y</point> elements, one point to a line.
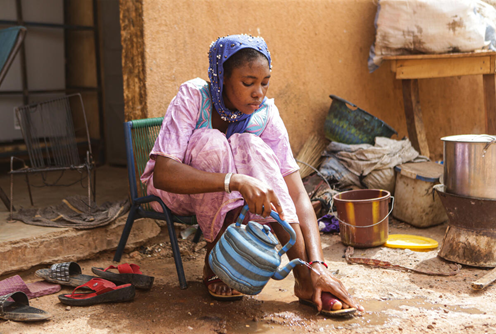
<point>321,262</point>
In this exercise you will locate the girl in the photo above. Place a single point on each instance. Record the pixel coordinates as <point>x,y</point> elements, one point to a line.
<point>223,143</point>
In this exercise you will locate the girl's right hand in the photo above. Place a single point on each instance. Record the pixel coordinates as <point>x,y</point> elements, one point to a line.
<point>261,199</point>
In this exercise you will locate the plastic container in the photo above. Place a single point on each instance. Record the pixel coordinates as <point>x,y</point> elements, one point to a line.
<point>363,217</point>
<point>416,201</point>
<point>350,126</point>
<point>413,242</point>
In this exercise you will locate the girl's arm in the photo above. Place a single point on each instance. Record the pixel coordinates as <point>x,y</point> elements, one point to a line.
<point>308,246</point>
<point>175,177</point>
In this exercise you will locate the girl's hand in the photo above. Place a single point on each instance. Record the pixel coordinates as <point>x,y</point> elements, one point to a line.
<point>261,199</point>
<point>326,282</point>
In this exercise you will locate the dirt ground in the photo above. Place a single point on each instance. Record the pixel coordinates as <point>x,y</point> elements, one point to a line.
<point>395,301</point>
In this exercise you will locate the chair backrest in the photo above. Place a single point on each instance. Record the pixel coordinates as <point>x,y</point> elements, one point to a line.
<point>48,131</point>
<point>10,42</point>
<point>140,136</point>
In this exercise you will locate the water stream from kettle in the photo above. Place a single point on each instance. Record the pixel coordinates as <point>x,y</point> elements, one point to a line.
<point>310,267</point>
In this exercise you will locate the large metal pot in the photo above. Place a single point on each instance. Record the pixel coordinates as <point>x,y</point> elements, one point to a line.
<point>470,165</point>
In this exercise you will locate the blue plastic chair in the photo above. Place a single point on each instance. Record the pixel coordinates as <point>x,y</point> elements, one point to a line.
<point>140,136</point>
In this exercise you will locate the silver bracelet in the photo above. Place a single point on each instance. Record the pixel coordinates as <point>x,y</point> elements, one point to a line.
<point>227,181</point>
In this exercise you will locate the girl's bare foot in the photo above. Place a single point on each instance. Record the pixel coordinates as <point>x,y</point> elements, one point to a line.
<point>303,290</point>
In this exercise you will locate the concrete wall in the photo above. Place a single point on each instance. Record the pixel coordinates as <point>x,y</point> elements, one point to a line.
<point>318,47</point>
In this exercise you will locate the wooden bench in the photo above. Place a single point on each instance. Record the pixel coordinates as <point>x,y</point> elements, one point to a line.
<point>410,68</point>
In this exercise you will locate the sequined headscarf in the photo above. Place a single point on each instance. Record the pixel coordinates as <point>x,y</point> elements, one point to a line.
<point>220,51</point>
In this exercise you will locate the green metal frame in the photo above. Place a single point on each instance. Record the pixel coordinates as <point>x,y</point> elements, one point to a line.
<point>140,136</point>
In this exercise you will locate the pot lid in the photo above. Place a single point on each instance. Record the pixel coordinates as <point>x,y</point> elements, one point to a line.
<point>428,171</point>
<point>262,232</point>
<point>470,138</point>
<point>412,242</point>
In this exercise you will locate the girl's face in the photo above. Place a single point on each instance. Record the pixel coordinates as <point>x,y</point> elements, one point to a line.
<point>245,89</point>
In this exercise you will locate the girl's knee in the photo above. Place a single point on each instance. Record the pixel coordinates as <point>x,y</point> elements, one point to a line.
<point>209,150</point>
<point>247,141</point>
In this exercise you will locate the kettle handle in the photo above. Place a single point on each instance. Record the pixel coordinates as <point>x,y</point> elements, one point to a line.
<point>283,223</point>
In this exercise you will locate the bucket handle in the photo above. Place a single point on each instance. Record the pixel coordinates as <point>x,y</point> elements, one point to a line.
<point>392,206</point>
<point>484,151</point>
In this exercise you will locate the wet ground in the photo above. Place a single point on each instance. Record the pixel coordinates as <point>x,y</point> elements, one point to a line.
<point>395,301</point>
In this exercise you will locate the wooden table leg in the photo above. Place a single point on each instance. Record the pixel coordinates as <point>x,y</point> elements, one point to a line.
<point>490,103</point>
<point>413,113</point>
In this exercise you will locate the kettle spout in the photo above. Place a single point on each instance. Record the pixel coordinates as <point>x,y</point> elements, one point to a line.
<point>281,273</point>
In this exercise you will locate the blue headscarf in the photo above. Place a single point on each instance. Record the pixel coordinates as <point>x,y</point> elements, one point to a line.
<point>220,51</point>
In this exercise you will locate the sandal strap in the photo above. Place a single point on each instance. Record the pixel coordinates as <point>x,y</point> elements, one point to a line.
<point>126,268</point>
<point>18,296</point>
<point>62,271</point>
<point>211,280</point>
<point>99,285</point>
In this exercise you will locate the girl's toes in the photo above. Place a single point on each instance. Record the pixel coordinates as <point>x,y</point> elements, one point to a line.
<point>337,306</point>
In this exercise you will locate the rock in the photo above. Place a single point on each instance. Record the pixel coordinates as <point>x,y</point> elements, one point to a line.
<point>200,245</point>
<point>135,255</point>
<point>68,308</point>
<point>430,327</point>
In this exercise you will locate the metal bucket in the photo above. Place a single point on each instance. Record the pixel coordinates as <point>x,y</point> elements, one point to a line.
<point>470,165</point>
<point>363,217</point>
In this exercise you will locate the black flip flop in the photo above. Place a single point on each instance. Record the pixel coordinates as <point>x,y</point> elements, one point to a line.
<point>104,292</point>
<point>18,308</point>
<point>128,273</point>
<point>66,273</point>
<point>327,302</point>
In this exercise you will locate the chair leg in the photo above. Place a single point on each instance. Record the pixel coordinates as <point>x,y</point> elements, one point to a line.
<point>198,235</point>
<point>125,234</point>
<point>29,190</point>
<point>176,253</point>
<point>94,184</point>
<point>4,198</point>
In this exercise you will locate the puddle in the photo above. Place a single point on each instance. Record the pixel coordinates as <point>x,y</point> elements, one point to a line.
<point>376,315</point>
<point>381,305</point>
<point>263,327</point>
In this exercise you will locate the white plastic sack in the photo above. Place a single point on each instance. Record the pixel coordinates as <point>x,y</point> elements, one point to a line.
<point>431,26</point>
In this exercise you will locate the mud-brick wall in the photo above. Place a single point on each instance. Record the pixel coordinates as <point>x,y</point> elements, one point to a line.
<point>319,47</point>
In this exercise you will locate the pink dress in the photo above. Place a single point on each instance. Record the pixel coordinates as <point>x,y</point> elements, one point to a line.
<point>187,136</point>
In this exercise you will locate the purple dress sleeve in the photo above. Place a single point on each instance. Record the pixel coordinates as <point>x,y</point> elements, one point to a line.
<point>177,127</point>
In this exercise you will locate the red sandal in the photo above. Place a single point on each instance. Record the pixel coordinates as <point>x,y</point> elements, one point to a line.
<point>105,292</point>
<point>128,273</point>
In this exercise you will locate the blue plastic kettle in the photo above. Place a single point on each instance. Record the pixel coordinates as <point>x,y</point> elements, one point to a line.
<point>245,257</point>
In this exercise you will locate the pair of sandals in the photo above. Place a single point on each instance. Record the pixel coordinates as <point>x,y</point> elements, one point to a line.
<point>109,287</point>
